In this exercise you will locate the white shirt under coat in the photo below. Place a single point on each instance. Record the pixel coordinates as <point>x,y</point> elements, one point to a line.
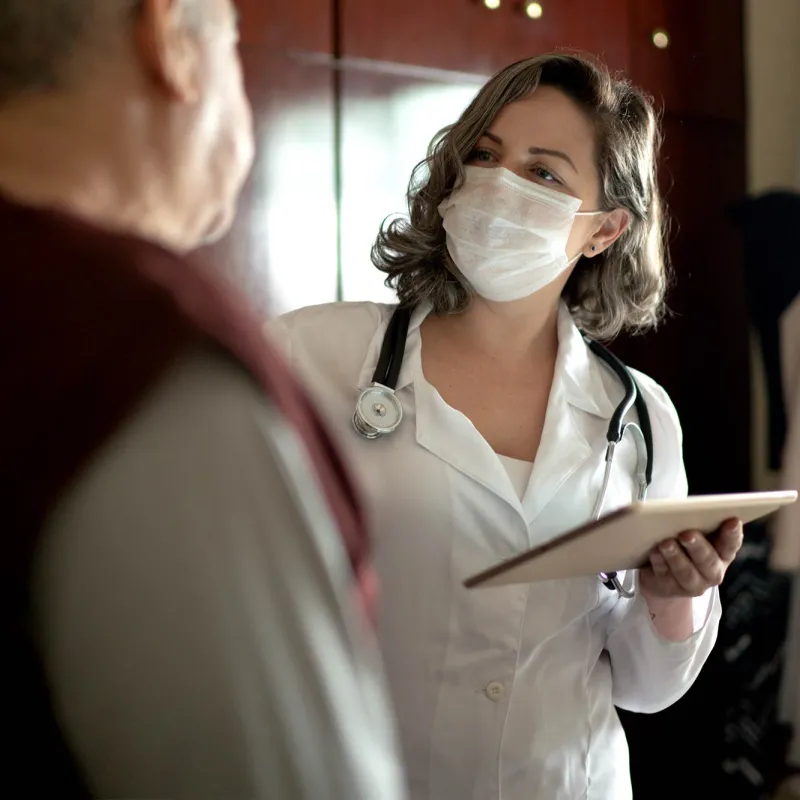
<point>507,692</point>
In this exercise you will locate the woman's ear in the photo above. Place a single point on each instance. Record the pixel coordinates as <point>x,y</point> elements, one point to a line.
<point>613,226</point>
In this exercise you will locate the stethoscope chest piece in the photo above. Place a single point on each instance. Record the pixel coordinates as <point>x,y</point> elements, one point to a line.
<point>378,412</point>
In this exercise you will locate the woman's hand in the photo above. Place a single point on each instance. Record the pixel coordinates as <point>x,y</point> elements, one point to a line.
<point>691,564</point>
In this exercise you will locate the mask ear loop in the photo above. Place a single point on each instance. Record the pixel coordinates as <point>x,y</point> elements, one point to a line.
<point>590,214</point>
<point>594,246</point>
<point>580,255</point>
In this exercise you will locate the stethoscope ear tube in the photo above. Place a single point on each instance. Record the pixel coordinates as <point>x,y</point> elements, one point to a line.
<point>393,347</point>
<point>617,428</point>
<point>647,433</point>
<point>633,397</point>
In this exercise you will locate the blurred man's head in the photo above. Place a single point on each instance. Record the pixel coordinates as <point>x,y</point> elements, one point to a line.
<point>131,113</point>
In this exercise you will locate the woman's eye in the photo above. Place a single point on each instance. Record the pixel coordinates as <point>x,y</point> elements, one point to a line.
<point>544,174</point>
<point>480,155</point>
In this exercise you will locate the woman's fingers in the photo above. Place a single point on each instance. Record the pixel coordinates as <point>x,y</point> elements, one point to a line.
<point>704,556</point>
<point>691,564</point>
<point>658,564</point>
<point>729,541</point>
<point>682,568</point>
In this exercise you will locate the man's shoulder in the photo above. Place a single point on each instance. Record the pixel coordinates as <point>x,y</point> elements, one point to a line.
<point>187,454</point>
<point>207,394</point>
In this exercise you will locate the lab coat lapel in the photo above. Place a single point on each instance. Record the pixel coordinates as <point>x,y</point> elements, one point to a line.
<point>451,436</point>
<point>579,386</point>
<point>562,451</point>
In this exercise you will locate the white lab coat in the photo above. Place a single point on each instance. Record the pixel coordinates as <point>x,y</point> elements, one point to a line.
<point>505,692</point>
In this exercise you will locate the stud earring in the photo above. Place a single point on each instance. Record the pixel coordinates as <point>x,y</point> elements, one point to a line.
<point>594,248</point>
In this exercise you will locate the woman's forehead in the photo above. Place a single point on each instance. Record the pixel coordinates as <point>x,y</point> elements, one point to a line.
<point>548,119</point>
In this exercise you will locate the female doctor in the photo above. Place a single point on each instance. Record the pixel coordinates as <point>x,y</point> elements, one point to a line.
<point>536,216</point>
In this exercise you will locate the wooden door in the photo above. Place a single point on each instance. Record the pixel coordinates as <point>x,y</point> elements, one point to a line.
<point>701,356</point>
<point>467,36</point>
<point>690,55</point>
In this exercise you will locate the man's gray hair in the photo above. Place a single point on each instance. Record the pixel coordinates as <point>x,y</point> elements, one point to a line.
<point>40,38</point>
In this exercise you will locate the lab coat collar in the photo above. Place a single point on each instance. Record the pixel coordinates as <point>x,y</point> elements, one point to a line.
<point>578,371</point>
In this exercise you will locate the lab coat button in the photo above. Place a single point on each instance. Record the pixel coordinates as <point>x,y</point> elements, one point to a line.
<point>495,691</point>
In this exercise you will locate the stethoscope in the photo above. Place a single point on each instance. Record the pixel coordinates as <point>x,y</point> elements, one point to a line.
<point>379,413</point>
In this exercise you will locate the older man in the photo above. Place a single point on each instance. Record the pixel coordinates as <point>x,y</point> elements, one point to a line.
<point>180,616</point>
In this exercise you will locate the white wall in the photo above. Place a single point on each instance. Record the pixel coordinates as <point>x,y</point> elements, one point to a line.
<point>772,51</point>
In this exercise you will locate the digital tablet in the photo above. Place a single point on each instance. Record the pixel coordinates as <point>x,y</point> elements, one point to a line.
<point>624,539</point>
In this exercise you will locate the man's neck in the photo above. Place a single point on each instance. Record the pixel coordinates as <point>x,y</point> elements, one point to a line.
<point>56,155</point>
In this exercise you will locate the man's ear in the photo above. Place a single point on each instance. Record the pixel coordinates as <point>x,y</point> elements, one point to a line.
<point>169,49</point>
<point>614,225</point>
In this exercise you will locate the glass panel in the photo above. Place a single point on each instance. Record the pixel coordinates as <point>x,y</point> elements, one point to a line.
<point>388,123</point>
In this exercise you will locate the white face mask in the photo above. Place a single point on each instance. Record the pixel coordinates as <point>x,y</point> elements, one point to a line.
<point>507,235</point>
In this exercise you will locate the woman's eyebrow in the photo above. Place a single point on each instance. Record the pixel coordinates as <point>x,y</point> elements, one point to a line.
<point>536,151</point>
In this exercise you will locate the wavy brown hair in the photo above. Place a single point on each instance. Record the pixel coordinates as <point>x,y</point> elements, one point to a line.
<point>622,288</point>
